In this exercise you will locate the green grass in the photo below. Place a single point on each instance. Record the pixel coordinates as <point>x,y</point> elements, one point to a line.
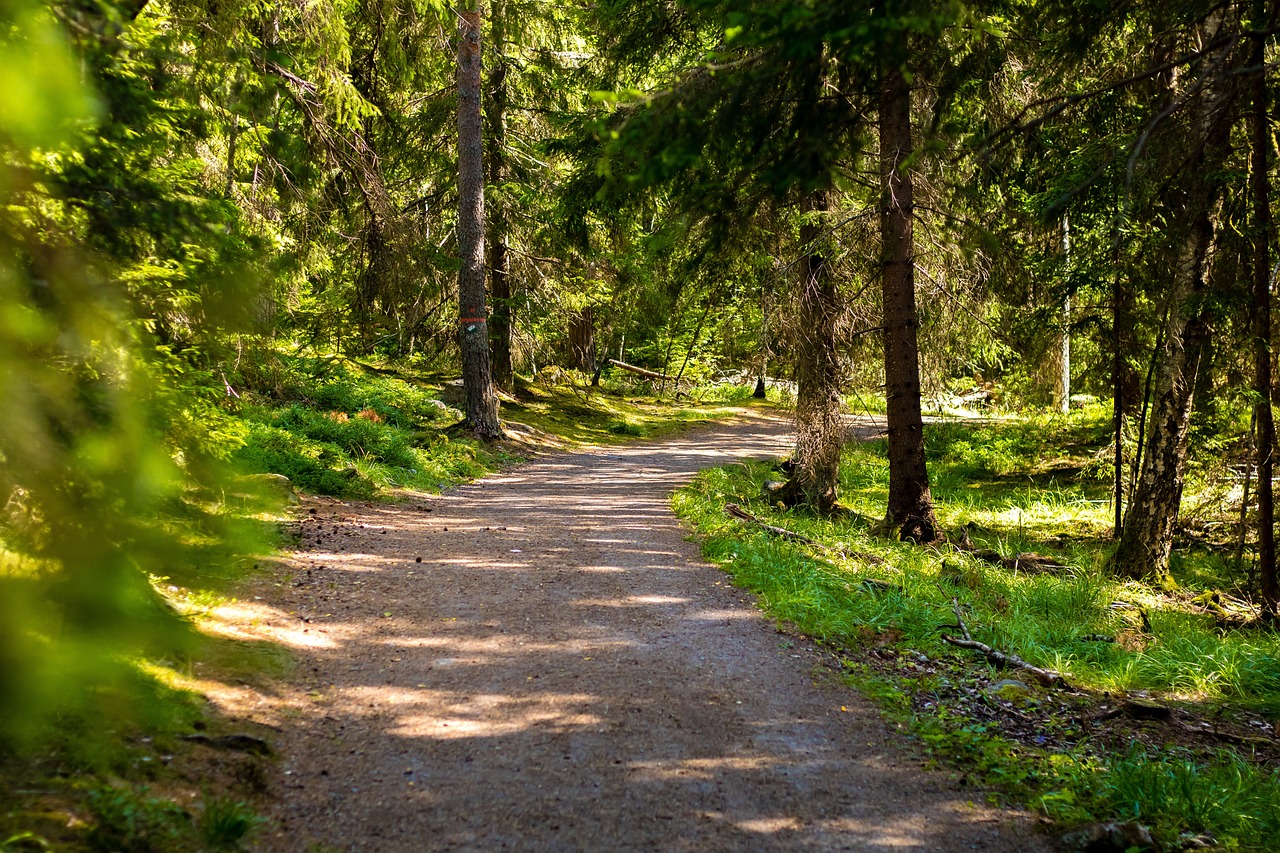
<point>337,429</point>
<point>1019,485</point>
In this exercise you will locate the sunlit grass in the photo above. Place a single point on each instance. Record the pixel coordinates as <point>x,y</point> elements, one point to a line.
<point>999,483</point>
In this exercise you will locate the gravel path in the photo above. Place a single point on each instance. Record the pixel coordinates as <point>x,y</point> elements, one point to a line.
<point>561,673</point>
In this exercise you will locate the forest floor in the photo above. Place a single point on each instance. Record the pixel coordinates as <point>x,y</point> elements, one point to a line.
<point>540,661</point>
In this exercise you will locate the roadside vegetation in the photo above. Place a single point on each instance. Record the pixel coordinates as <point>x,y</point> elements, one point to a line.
<point>249,248</point>
<point>145,764</point>
<point>1166,717</point>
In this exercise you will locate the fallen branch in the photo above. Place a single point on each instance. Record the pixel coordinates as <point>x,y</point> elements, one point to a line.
<point>1027,561</point>
<point>1139,710</point>
<point>791,536</point>
<point>640,371</point>
<point>1047,677</point>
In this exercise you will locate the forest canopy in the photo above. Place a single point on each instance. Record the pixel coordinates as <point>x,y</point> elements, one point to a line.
<point>241,239</point>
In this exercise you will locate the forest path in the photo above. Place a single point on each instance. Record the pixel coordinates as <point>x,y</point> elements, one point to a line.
<point>562,673</point>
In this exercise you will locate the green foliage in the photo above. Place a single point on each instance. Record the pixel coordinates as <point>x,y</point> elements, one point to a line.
<point>1016,485</point>
<point>127,820</point>
<point>1229,798</point>
<point>99,447</point>
<point>226,823</point>
<point>349,433</point>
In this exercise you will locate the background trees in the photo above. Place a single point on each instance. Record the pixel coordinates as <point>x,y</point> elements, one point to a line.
<point>688,186</point>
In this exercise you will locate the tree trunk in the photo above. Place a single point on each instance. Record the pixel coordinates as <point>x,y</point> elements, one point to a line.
<point>582,340</point>
<point>819,428</point>
<point>481,398</point>
<point>1261,192</point>
<point>499,258</point>
<point>910,508</point>
<point>1062,385</point>
<point>1147,534</point>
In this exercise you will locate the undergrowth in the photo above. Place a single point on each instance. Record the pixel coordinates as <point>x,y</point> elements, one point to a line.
<point>125,774</point>
<point>338,428</point>
<point>1022,485</point>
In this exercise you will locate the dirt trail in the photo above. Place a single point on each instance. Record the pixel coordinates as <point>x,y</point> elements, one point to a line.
<point>561,673</point>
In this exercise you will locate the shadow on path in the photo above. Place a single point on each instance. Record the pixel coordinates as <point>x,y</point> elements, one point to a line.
<point>559,672</point>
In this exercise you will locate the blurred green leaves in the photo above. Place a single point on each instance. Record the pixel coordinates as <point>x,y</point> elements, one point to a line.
<point>41,98</point>
<point>97,445</point>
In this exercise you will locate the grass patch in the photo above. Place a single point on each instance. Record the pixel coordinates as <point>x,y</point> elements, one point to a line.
<point>336,428</point>
<point>1023,485</point>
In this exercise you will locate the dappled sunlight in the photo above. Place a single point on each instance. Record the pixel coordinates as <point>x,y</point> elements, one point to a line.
<point>559,646</point>
<point>244,620</point>
<point>631,601</point>
<point>702,768</point>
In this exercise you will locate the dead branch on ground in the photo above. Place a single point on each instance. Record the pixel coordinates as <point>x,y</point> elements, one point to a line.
<point>791,536</point>
<point>1047,677</point>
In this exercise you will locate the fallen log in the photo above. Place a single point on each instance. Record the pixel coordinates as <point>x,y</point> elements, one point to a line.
<point>640,371</point>
<point>1046,677</point>
<point>1026,561</point>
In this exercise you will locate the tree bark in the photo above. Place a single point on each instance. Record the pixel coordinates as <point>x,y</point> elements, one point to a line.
<point>910,508</point>
<point>477,379</point>
<point>1062,385</point>
<point>500,320</point>
<point>1266,433</point>
<point>1146,537</point>
<point>819,429</point>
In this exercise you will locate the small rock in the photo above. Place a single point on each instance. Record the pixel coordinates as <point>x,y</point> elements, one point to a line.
<point>1010,689</point>
<point>1109,837</point>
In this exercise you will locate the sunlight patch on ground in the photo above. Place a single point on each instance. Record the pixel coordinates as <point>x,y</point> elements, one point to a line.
<point>442,714</point>
<point>247,620</point>
<point>633,601</point>
<point>703,768</point>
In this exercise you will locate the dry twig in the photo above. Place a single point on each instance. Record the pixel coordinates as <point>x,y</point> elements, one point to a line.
<point>791,536</point>
<point>1047,677</point>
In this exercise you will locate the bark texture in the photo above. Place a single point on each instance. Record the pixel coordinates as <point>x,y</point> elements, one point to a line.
<point>495,110</point>
<point>910,508</point>
<point>1262,228</point>
<point>477,379</point>
<point>1147,533</point>
<point>819,429</point>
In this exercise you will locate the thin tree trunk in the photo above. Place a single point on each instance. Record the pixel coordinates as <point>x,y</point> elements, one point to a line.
<point>819,429</point>
<point>1266,433</point>
<point>1062,393</point>
<point>500,321</point>
<point>910,508</point>
<point>1118,400</point>
<point>693,344</point>
<point>1147,535</point>
<point>477,380</point>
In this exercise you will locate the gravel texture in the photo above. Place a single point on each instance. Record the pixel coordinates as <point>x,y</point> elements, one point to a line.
<point>560,672</point>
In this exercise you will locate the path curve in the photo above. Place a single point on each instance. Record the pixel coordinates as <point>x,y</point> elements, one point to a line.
<point>561,673</point>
